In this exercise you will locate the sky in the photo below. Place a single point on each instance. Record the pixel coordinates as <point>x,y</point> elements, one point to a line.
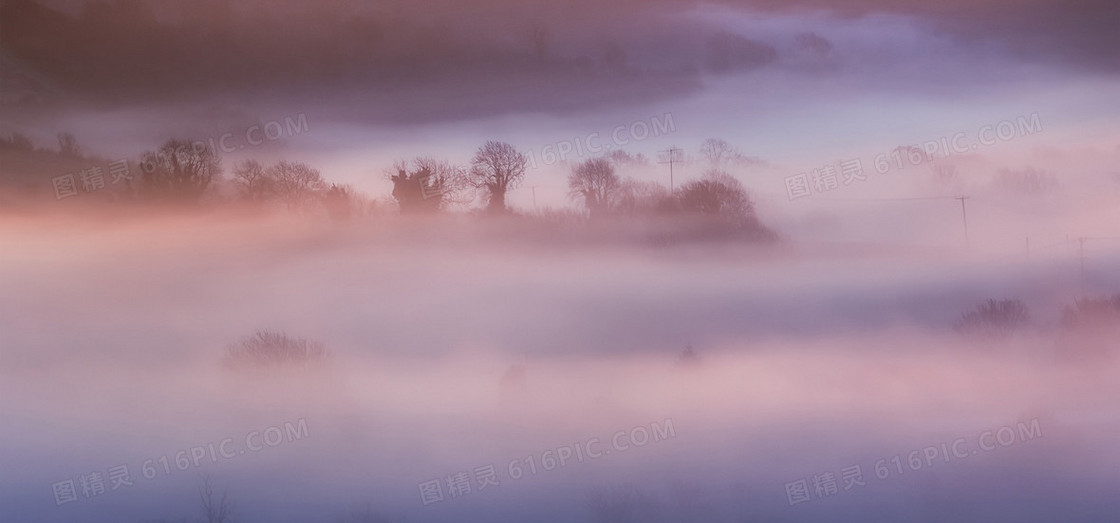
<point>796,84</point>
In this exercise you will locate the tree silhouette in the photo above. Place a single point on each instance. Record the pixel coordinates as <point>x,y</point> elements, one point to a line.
<point>214,510</point>
<point>338,199</point>
<point>1092,313</point>
<point>180,170</point>
<point>1091,326</point>
<point>636,197</point>
<point>1029,181</point>
<point>718,195</point>
<point>621,158</point>
<point>497,167</point>
<point>68,145</point>
<point>427,185</point>
<point>596,183</point>
<point>18,141</point>
<point>945,176</point>
<point>253,181</point>
<point>296,183</point>
<point>717,151</point>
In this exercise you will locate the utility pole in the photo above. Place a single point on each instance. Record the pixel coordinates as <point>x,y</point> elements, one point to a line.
<point>1081,255</point>
<point>671,154</point>
<point>964,215</point>
<point>534,189</point>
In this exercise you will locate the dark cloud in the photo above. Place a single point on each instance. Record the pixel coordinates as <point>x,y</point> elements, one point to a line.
<point>397,61</point>
<point>1078,33</point>
<point>414,61</point>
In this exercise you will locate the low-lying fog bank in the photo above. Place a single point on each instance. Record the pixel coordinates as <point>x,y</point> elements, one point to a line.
<point>473,375</point>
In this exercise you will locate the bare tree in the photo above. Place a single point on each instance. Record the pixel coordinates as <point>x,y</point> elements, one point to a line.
<point>180,170</point>
<point>720,153</point>
<point>596,183</point>
<point>717,151</point>
<point>296,183</point>
<point>215,510</point>
<point>636,197</point>
<point>497,167</point>
<point>253,181</point>
<point>1029,181</point>
<point>621,158</point>
<point>68,145</point>
<point>945,176</point>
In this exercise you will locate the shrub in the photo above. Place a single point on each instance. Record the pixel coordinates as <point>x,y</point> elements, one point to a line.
<point>268,349</point>
<point>1092,313</point>
<point>17,141</point>
<point>688,358</point>
<point>1026,181</point>
<point>994,319</point>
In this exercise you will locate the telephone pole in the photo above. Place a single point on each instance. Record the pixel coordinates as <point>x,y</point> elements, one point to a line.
<point>671,155</point>
<point>534,189</point>
<point>964,215</point>
<point>1081,256</point>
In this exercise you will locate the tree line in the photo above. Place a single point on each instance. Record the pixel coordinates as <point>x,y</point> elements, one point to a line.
<point>187,172</point>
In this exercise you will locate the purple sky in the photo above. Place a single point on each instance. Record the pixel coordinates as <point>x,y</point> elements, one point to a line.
<point>796,83</point>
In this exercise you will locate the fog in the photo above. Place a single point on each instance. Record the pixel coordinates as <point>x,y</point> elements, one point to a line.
<point>456,344</point>
<point>656,261</point>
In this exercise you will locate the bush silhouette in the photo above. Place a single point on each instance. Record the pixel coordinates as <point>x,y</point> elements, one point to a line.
<point>268,349</point>
<point>688,358</point>
<point>994,319</point>
<point>1092,313</point>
